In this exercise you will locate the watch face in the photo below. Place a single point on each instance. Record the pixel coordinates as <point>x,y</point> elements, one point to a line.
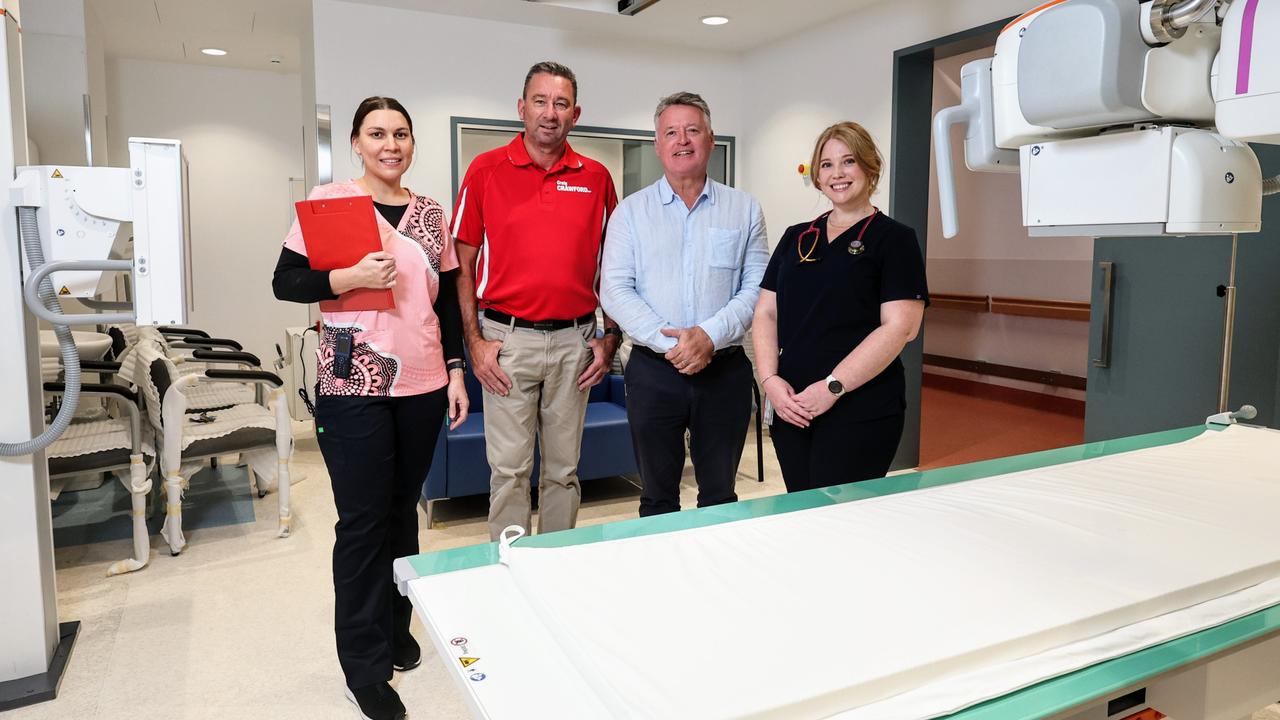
<point>835,387</point>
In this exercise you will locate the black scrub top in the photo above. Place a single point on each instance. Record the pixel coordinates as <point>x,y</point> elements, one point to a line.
<point>827,306</point>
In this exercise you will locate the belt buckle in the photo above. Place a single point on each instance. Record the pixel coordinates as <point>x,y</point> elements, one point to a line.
<point>544,325</point>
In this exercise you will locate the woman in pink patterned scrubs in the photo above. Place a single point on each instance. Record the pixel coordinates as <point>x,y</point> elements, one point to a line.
<point>377,426</point>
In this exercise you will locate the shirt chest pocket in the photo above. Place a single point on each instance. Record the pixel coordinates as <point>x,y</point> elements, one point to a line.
<point>725,249</point>
<point>857,281</point>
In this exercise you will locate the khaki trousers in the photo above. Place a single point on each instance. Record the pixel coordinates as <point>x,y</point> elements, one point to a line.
<point>544,404</point>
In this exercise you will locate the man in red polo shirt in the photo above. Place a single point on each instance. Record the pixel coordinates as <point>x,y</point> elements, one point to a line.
<point>529,222</point>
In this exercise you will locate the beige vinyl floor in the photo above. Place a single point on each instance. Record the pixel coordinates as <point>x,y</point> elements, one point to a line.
<point>240,624</point>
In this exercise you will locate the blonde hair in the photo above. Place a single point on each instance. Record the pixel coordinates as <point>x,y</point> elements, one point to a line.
<point>859,142</point>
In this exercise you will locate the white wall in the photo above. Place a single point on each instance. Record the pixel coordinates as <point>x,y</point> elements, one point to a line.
<point>96,62</point>
<point>475,68</point>
<point>841,70</point>
<point>56,79</point>
<point>241,132</point>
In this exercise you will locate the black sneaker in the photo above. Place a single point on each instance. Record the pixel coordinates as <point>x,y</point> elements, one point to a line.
<point>405,654</point>
<point>377,702</point>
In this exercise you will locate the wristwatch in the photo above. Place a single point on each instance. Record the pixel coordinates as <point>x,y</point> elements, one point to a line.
<point>456,365</point>
<point>835,386</point>
<point>613,331</point>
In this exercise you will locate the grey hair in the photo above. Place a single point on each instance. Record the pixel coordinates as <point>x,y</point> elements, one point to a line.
<point>683,98</point>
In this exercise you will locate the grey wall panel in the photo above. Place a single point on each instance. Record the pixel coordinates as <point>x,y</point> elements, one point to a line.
<point>909,204</point>
<point>1165,335</point>
<point>1167,331</point>
<point>1255,372</point>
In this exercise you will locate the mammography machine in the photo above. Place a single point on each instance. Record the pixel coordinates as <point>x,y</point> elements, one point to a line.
<point>1116,580</point>
<point>58,225</point>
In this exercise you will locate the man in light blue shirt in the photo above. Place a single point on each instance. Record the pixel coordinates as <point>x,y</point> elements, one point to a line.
<point>683,259</point>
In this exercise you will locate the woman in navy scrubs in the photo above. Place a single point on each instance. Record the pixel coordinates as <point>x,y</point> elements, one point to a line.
<point>843,294</point>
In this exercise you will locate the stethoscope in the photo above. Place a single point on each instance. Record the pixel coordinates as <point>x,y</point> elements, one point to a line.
<point>855,248</point>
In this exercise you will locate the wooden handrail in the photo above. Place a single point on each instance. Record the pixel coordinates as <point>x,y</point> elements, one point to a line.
<point>969,303</point>
<point>1032,307</point>
<point>1029,307</point>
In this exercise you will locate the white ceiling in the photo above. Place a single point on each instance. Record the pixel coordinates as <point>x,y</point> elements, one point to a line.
<point>253,31</point>
<point>668,22</point>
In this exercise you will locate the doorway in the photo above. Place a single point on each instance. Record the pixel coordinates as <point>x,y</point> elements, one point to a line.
<point>1001,363</point>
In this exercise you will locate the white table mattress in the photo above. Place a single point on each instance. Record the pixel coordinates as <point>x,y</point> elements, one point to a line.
<point>908,605</point>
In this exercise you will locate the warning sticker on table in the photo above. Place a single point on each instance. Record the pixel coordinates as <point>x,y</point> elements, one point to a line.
<point>468,661</point>
<point>56,173</point>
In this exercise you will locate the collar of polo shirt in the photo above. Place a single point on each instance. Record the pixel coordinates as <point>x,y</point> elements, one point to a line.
<point>518,154</point>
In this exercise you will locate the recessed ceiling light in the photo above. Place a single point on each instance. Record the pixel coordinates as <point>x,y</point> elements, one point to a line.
<point>217,52</point>
<point>715,20</point>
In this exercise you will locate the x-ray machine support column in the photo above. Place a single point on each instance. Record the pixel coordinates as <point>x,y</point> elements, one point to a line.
<point>29,632</point>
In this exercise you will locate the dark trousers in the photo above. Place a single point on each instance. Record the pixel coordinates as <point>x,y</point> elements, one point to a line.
<point>378,451</point>
<point>836,448</point>
<point>714,405</point>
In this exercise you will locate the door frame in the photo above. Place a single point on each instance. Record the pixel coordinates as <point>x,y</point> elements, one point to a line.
<point>909,157</point>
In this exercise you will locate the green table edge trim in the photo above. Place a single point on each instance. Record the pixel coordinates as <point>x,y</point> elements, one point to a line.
<point>474,556</point>
<point>1096,682</point>
<point>1031,703</point>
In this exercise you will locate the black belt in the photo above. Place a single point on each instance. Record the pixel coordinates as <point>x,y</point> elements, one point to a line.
<point>505,319</point>
<point>722,352</point>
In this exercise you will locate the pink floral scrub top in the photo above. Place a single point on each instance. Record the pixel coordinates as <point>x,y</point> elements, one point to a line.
<point>396,352</point>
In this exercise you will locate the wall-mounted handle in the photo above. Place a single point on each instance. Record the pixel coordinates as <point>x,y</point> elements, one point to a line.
<point>88,131</point>
<point>324,144</point>
<point>1108,285</point>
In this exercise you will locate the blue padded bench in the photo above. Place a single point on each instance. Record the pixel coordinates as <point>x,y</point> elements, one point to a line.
<point>460,468</point>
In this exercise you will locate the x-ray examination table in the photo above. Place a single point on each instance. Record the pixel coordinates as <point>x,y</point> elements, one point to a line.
<point>1015,588</point>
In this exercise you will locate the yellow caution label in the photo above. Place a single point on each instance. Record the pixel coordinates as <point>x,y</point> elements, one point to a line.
<point>64,291</point>
<point>56,173</point>
<point>468,661</point>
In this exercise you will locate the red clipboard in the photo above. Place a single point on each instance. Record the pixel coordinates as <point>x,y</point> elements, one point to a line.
<point>338,233</point>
